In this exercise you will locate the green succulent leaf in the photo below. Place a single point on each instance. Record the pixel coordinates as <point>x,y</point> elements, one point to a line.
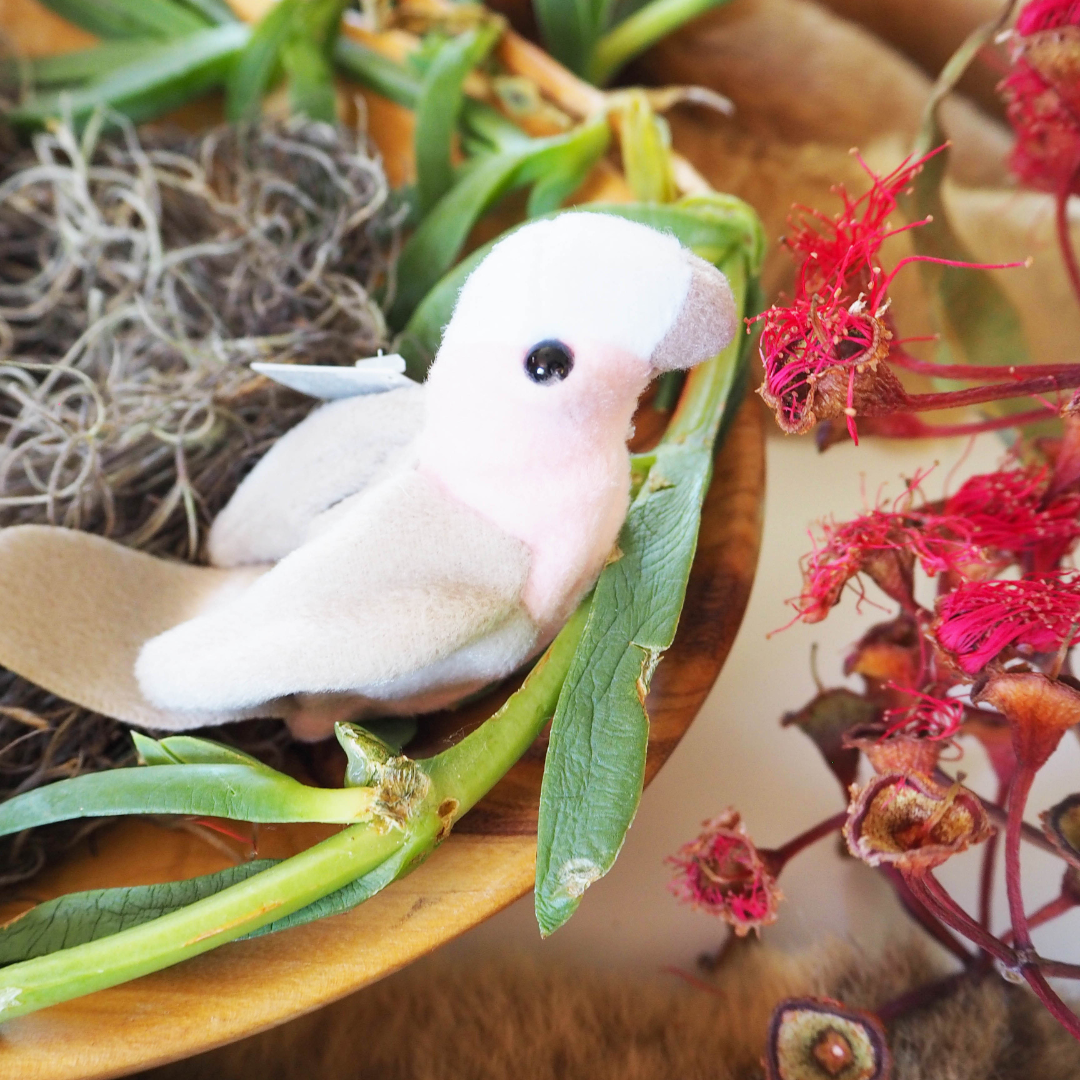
<point>595,766</point>
<point>73,68</point>
<point>239,790</point>
<point>260,62</point>
<point>442,96</point>
<point>80,917</point>
<point>377,72</point>
<point>214,12</point>
<point>165,20</point>
<point>166,78</point>
<point>437,242</point>
<point>189,750</point>
<point>638,32</point>
<point>571,28</point>
<point>311,79</point>
<point>646,151</point>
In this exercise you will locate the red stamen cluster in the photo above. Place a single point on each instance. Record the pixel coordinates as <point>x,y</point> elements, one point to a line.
<point>992,521</point>
<point>929,717</point>
<point>836,321</point>
<point>1047,15</point>
<point>1009,513</point>
<point>978,620</point>
<point>1042,94</point>
<point>722,872</point>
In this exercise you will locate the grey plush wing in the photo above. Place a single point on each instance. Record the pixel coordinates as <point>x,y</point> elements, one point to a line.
<point>341,449</point>
<point>75,609</point>
<point>407,591</point>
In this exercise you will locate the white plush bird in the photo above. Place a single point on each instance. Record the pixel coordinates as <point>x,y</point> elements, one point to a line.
<point>394,552</point>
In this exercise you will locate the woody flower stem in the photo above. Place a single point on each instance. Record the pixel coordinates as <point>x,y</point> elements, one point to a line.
<point>977,395</point>
<point>1061,218</point>
<point>1018,796</point>
<point>779,857</point>
<point>919,911</point>
<point>930,892</point>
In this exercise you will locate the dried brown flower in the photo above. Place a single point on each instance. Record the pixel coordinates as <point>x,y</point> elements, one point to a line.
<point>912,822</point>
<point>820,1039</point>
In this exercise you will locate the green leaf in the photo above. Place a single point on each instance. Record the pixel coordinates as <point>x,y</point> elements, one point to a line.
<point>437,242</point>
<point>78,67</point>
<point>112,19</point>
<point>595,766</point>
<point>87,916</point>
<point>442,95</point>
<point>362,856</point>
<point>240,791</point>
<point>377,72</point>
<point>646,151</point>
<point>163,80</point>
<point>571,28</point>
<point>189,750</point>
<point>214,12</point>
<point>259,63</point>
<point>638,32</point>
<point>311,79</point>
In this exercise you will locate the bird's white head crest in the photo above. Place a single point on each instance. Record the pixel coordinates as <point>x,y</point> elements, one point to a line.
<point>596,278</point>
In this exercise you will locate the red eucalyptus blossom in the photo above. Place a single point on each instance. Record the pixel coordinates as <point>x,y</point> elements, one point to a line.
<point>1011,514</point>
<point>979,620</point>
<point>824,352</point>
<point>722,872</point>
<point>1042,94</point>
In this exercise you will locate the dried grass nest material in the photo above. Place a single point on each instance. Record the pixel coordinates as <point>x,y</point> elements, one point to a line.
<point>140,274</point>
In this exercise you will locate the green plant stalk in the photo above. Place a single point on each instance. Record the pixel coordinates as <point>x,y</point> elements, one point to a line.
<point>459,777</point>
<point>637,33</point>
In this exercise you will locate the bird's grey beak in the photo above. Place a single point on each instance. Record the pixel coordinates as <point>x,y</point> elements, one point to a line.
<point>706,322</point>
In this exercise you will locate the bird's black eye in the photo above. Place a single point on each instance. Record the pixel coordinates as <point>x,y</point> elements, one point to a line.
<point>549,362</point>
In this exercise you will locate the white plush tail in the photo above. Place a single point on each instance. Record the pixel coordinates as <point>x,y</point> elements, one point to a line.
<point>75,609</point>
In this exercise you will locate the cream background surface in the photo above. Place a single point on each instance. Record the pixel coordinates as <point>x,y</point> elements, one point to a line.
<point>736,754</point>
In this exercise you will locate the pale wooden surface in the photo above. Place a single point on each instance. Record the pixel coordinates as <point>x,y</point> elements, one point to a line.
<point>246,987</point>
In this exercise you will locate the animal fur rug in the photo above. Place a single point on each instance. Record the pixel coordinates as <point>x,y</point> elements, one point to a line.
<point>516,1020</point>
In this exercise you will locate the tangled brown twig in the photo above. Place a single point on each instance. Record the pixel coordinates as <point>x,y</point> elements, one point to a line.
<point>139,276</point>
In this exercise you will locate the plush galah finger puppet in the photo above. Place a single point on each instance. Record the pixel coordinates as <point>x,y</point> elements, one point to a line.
<point>395,552</point>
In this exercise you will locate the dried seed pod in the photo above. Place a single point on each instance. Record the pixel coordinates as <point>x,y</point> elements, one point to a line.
<point>1039,710</point>
<point>820,1039</point>
<point>912,822</point>
<point>826,719</point>
<point>895,753</point>
<point>1062,824</point>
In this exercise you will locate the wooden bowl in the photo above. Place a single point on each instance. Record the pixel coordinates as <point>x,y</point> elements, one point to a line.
<point>248,986</point>
<point>245,987</point>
